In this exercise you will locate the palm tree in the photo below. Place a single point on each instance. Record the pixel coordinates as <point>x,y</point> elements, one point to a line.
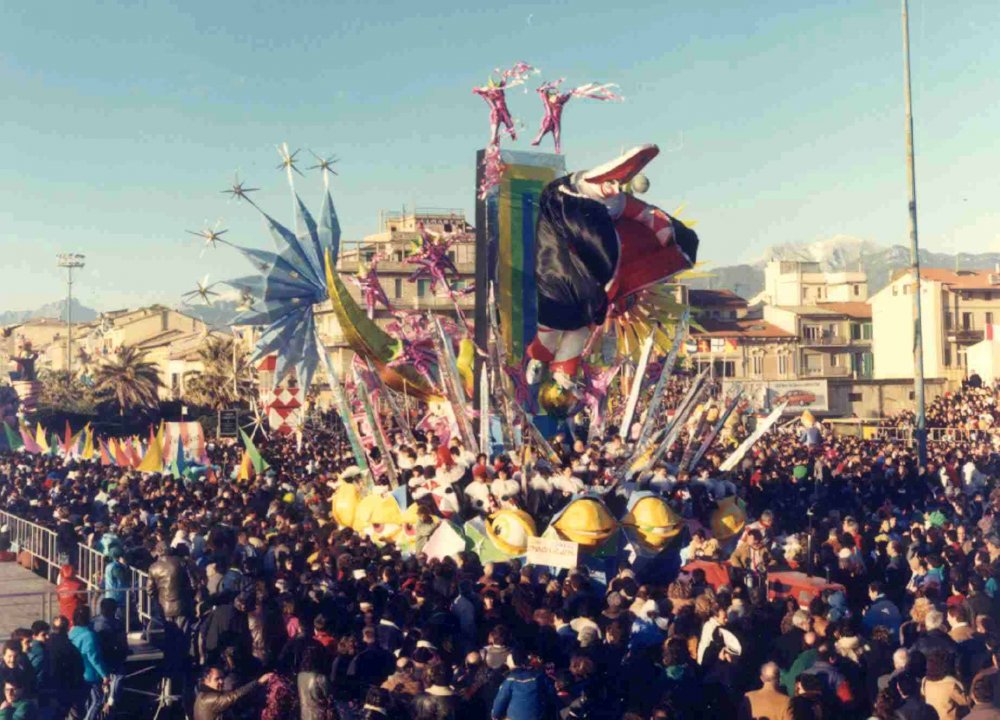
<point>226,377</point>
<point>129,379</point>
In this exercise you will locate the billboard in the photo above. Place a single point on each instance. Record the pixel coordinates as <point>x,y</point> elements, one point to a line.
<point>799,395</point>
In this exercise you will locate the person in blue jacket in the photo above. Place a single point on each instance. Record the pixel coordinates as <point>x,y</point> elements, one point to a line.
<point>95,671</point>
<point>525,694</point>
<point>116,580</point>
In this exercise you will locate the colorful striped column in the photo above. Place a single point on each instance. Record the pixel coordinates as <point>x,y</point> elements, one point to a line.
<point>505,247</point>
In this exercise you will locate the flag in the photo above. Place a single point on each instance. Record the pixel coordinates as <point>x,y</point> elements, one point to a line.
<point>40,440</point>
<point>178,465</point>
<point>14,440</point>
<point>55,444</point>
<point>67,441</point>
<point>106,457</point>
<point>134,455</point>
<point>119,453</point>
<point>88,443</point>
<point>245,468</point>
<point>153,460</point>
<point>259,464</point>
<point>29,442</point>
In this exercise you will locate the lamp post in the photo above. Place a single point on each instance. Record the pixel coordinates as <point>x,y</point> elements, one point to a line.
<point>920,431</point>
<point>69,261</point>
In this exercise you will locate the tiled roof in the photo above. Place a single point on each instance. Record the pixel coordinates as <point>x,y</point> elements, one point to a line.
<point>741,328</point>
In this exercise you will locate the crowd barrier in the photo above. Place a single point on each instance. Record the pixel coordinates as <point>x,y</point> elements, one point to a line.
<point>40,543</point>
<point>934,435</point>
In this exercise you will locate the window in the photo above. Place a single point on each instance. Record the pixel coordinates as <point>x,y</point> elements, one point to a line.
<point>857,289</point>
<point>895,290</point>
<point>398,288</point>
<point>451,255</point>
<point>853,397</point>
<point>947,355</point>
<point>989,318</point>
<point>812,332</point>
<point>855,331</point>
<point>814,362</point>
<point>724,368</point>
<point>782,364</point>
<point>949,321</point>
<point>866,331</point>
<point>966,321</point>
<point>758,365</point>
<point>834,360</point>
<point>423,287</point>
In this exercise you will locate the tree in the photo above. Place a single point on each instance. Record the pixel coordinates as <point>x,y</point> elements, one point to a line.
<point>226,377</point>
<point>129,380</point>
<point>62,393</point>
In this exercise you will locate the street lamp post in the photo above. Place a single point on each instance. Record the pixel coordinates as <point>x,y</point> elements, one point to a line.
<point>920,431</point>
<point>69,261</point>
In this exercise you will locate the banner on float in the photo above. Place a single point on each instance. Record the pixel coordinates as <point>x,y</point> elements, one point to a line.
<point>762,427</point>
<point>553,553</point>
<point>190,436</point>
<point>796,395</point>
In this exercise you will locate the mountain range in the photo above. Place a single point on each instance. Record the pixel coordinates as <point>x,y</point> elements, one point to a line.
<point>840,253</point>
<point>837,253</point>
<point>54,310</point>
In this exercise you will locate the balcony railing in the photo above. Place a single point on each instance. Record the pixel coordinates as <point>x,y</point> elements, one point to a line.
<point>825,339</point>
<point>827,372</point>
<point>965,335</point>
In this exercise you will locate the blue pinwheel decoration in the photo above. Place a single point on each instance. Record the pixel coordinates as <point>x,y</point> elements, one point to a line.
<point>291,280</point>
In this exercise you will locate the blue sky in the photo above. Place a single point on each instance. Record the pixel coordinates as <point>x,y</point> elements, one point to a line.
<point>780,122</point>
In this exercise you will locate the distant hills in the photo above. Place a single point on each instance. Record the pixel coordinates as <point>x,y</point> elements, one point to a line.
<point>840,253</point>
<point>837,253</point>
<point>218,315</point>
<point>54,310</point>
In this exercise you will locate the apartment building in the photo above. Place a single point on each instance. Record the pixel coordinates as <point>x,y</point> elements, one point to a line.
<point>957,307</point>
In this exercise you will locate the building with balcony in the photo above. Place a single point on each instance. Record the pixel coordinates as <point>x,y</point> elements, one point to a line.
<point>716,304</point>
<point>393,242</point>
<point>957,307</point>
<point>793,283</point>
<point>745,349</point>
<point>834,338</point>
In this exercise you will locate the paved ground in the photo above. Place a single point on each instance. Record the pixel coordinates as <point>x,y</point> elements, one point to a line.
<point>24,598</point>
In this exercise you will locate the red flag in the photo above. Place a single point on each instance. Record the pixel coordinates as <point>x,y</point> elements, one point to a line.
<point>121,456</point>
<point>105,455</point>
<point>68,439</point>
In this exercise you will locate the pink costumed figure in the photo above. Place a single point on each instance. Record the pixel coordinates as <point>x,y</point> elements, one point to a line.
<point>553,101</point>
<point>495,95</point>
<point>368,282</point>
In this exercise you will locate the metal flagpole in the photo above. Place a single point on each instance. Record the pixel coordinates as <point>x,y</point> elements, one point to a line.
<point>920,431</point>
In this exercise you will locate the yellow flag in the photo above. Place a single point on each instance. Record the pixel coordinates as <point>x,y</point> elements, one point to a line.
<point>88,443</point>
<point>245,468</point>
<point>40,438</point>
<point>152,462</point>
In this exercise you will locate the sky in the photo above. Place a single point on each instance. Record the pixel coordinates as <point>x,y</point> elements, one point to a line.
<point>778,122</point>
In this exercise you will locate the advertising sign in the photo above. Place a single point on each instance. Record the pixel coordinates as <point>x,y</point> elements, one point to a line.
<point>798,395</point>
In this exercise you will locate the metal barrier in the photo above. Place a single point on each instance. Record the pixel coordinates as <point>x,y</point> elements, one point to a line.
<point>935,435</point>
<point>90,565</point>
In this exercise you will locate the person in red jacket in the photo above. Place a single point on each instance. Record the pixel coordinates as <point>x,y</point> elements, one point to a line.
<point>71,591</point>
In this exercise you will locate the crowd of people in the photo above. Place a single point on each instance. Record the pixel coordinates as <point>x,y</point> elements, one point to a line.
<point>266,607</point>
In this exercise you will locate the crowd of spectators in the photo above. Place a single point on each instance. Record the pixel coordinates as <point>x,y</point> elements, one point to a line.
<point>266,608</point>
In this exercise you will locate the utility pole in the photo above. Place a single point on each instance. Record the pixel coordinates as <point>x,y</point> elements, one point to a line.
<point>920,431</point>
<point>69,261</point>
